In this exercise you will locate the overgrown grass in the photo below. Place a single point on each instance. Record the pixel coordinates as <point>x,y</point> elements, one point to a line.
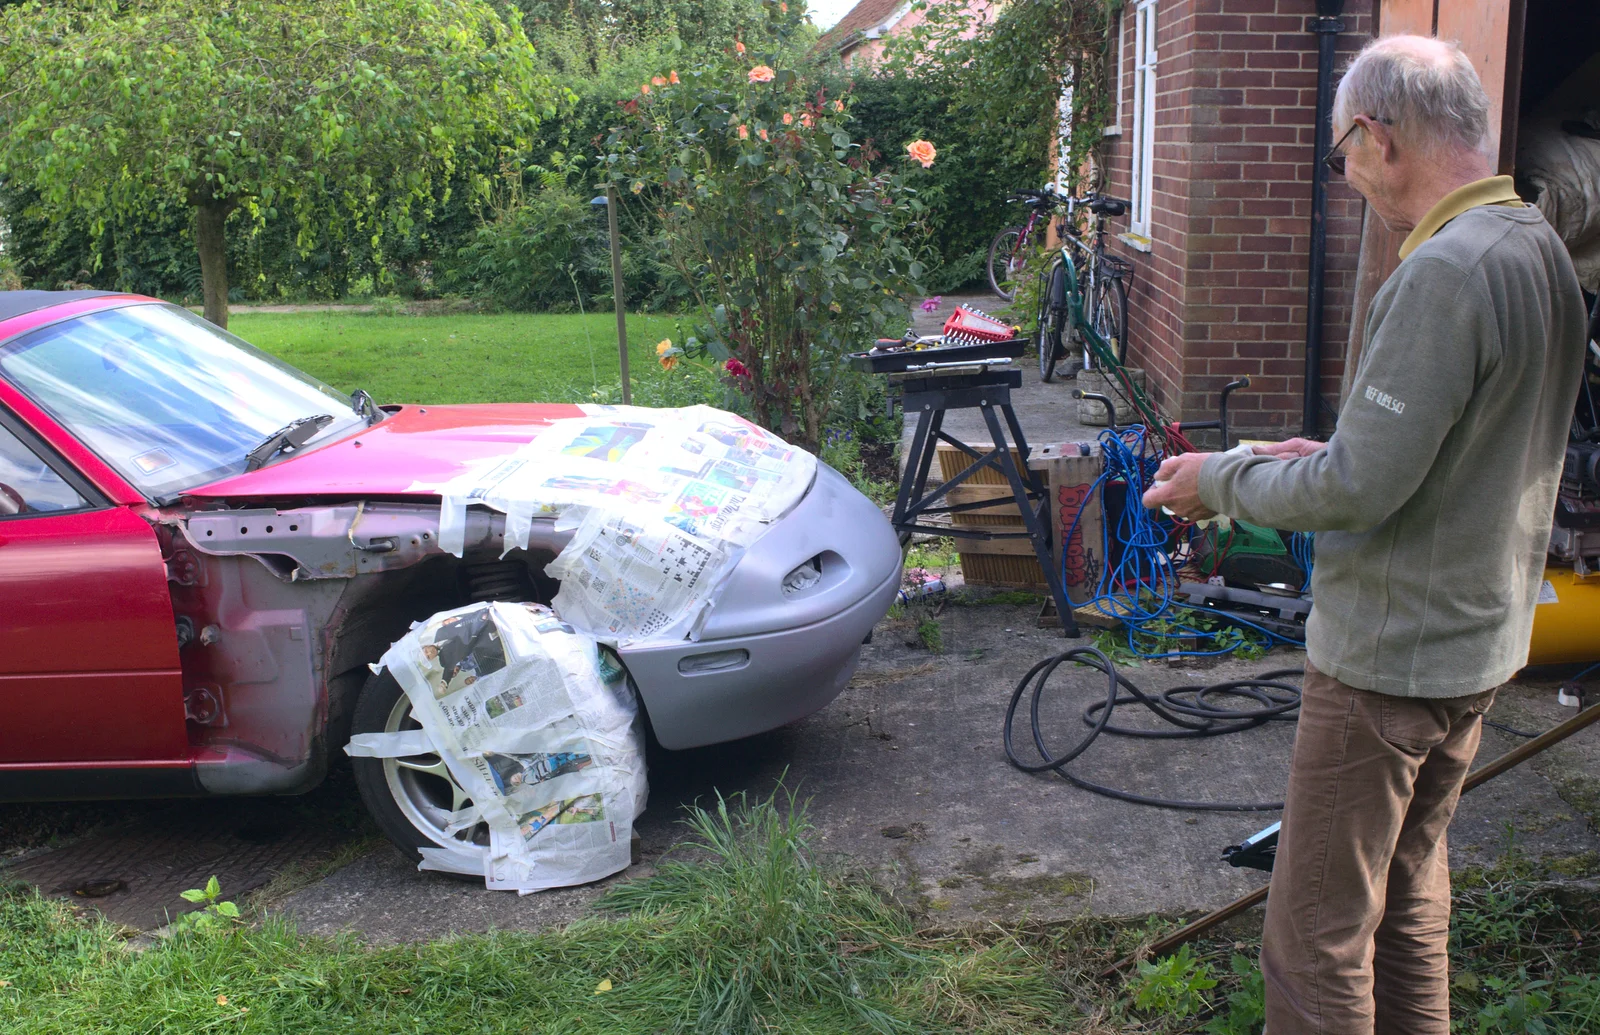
<point>748,933</point>
<point>744,930</point>
<point>462,358</point>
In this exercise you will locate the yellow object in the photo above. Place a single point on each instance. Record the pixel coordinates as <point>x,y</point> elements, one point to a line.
<point>1495,190</point>
<point>1566,621</point>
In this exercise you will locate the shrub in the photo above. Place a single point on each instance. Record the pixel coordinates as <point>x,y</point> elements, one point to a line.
<point>791,238</point>
<point>531,253</point>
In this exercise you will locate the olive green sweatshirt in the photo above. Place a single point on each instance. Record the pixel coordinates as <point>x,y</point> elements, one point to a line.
<point>1432,501</point>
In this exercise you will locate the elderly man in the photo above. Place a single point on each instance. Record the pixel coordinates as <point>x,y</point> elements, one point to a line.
<point>1433,503</point>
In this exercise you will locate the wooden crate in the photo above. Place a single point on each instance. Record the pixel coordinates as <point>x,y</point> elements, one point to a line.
<point>1011,562</point>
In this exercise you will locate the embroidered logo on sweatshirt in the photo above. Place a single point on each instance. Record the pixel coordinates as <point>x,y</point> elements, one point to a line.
<point>1385,400</point>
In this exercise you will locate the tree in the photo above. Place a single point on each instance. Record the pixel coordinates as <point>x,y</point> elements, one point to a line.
<point>347,114</point>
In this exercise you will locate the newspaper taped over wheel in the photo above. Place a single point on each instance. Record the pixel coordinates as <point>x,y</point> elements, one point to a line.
<point>537,724</point>
<point>661,502</point>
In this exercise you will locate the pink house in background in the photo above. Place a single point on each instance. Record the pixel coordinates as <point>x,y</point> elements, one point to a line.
<point>859,36</point>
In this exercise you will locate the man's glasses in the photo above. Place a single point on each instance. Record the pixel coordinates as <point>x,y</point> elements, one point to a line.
<point>1335,158</point>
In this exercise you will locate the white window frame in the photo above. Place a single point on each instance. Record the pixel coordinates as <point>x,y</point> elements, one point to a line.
<point>1144,116</point>
<point>1115,128</point>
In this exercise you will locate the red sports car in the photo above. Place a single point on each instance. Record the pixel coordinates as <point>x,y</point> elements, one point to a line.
<point>202,549</point>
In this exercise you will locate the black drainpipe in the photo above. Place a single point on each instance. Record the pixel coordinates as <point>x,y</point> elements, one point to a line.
<point>1327,26</point>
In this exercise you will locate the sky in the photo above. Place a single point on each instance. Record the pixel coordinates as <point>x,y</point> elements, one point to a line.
<point>826,13</point>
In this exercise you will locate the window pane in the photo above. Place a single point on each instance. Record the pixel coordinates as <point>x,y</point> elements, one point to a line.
<point>28,485</point>
<point>167,399</point>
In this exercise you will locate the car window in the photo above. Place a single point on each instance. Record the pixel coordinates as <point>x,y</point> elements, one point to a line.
<point>170,401</point>
<point>28,485</point>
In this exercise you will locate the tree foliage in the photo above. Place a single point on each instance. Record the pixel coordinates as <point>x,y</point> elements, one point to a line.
<point>350,117</point>
<point>790,235</point>
<point>1009,70</point>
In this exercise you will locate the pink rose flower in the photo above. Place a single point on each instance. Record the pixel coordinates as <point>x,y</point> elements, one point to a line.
<point>761,74</point>
<point>922,151</point>
<point>744,132</point>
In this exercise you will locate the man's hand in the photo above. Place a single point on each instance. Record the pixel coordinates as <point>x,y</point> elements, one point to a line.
<point>1290,449</point>
<point>1177,487</point>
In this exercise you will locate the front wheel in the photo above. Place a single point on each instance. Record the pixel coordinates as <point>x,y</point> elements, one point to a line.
<point>1110,319</point>
<point>411,798</point>
<point>1005,260</point>
<point>1047,335</point>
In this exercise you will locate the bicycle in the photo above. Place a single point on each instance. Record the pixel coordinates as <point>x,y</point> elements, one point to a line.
<point>1010,246</point>
<point>1091,308</point>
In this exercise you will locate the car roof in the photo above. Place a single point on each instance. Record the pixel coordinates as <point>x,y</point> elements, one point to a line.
<point>17,303</point>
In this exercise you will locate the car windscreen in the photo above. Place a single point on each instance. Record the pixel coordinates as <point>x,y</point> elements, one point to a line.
<point>169,400</point>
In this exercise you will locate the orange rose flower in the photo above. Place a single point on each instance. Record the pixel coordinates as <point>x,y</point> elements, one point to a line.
<point>807,121</point>
<point>744,132</point>
<point>788,120</point>
<point>673,78</point>
<point>838,106</point>
<point>922,151</point>
<point>761,74</point>
<point>668,362</point>
<point>656,80</point>
<point>738,47</point>
<point>761,133</point>
<point>644,87</point>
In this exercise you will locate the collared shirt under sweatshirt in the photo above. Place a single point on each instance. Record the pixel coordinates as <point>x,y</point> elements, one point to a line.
<point>1432,501</point>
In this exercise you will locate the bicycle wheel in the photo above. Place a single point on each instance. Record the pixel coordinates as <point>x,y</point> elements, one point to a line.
<point>1047,333</point>
<point>1110,319</point>
<point>1004,261</point>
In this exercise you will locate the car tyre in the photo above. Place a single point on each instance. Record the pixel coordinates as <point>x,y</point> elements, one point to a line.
<point>410,798</point>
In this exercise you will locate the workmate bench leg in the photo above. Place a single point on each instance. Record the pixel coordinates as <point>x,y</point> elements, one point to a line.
<point>1036,530</point>
<point>932,420</point>
<point>920,440</point>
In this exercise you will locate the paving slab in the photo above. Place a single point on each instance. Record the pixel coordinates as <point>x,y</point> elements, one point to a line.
<point>906,777</point>
<point>134,870</point>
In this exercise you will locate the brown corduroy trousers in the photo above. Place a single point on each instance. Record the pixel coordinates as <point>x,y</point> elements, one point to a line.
<point>1359,913</point>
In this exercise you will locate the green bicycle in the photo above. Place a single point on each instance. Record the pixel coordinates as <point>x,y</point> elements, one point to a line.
<point>1091,309</point>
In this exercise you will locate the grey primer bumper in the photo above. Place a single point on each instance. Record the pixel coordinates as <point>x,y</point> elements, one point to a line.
<point>766,658</point>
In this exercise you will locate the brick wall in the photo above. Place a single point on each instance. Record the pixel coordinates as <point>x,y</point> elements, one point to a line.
<point>1223,290</point>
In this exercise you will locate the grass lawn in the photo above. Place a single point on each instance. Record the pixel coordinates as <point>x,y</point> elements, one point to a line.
<point>460,358</point>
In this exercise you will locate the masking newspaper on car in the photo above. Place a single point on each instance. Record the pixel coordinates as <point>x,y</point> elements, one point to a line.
<point>661,504</point>
<point>537,724</point>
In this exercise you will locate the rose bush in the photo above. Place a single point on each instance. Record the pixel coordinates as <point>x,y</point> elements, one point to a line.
<point>793,237</point>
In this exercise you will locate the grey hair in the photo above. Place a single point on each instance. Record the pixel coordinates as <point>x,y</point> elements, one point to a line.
<point>1426,88</point>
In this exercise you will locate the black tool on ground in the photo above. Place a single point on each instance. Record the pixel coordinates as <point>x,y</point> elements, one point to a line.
<point>930,393</point>
<point>1506,762</point>
<point>1283,612</point>
<point>1256,851</point>
<point>1194,710</point>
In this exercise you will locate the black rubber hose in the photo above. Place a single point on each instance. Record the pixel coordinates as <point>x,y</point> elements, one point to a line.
<point>1187,707</point>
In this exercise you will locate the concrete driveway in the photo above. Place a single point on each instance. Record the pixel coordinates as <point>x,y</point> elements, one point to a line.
<point>905,776</point>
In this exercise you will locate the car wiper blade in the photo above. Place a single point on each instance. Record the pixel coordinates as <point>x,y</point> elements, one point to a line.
<point>289,437</point>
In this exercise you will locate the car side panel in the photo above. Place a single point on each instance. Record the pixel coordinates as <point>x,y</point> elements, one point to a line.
<point>90,652</point>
